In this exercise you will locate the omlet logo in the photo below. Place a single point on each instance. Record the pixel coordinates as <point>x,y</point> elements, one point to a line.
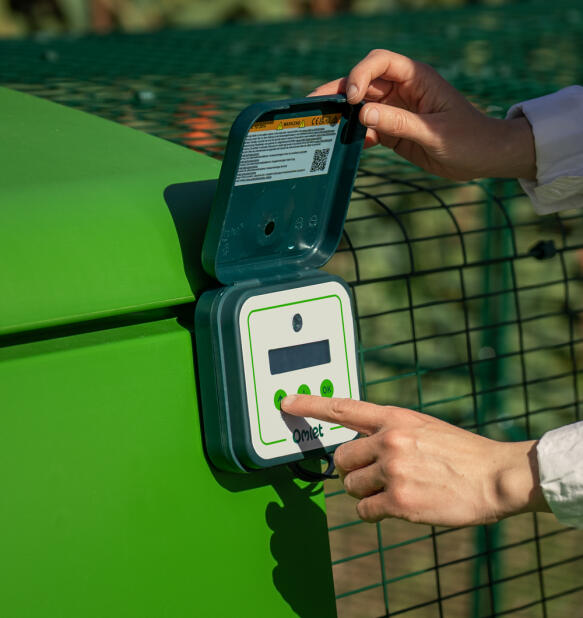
<point>305,435</point>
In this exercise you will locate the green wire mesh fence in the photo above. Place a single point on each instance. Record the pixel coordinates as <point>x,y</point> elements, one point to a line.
<point>469,305</point>
<point>470,311</point>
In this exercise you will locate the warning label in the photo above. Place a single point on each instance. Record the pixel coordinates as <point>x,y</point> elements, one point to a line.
<point>288,148</point>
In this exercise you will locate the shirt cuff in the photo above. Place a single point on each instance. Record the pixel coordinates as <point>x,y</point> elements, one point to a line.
<point>557,126</point>
<point>560,461</point>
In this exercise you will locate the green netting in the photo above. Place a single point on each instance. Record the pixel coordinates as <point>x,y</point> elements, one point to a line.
<point>462,312</point>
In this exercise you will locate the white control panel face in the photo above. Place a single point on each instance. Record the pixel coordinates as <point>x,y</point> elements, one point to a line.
<point>297,341</point>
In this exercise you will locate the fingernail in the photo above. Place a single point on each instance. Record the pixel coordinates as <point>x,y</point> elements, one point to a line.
<point>371,117</point>
<point>287,401</point>
<point>352,92</point>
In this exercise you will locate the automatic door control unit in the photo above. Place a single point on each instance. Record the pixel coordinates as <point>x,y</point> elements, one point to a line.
<point>279,325</point>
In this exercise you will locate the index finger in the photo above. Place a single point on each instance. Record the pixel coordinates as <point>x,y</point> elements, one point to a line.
<point>357,415</point>
<point>338,86</point>
<point>380,63</point>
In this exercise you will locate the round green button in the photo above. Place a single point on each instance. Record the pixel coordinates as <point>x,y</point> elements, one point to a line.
<point>279,395</point>
<point>304,389</point>
<point>326,388</point>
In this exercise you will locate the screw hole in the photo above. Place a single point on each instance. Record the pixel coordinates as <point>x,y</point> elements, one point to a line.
<point>269,228</point>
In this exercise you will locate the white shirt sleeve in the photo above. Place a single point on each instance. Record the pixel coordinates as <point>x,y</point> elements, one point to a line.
<point>560,461</point>
<point>557,125</point>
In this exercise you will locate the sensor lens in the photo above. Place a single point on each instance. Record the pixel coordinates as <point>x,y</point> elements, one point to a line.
<point>297,322</point>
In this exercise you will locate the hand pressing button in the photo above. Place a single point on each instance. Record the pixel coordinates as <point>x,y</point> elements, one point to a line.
<point>279,395</point>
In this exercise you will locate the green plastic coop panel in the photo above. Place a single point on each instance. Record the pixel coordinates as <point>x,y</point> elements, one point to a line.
<point>461,312</point>
<point>109,507</point>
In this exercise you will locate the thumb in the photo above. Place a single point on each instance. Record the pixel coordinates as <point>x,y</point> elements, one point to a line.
<point>395,122</point>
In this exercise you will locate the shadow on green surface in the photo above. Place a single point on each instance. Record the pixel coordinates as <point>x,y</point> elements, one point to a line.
<point>189,204</point>
<point>300,545</point>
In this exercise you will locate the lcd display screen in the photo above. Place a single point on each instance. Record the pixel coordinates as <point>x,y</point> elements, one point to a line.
<point>295,357</point>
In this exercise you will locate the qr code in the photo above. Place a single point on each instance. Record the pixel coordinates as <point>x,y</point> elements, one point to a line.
<point>319,160</point>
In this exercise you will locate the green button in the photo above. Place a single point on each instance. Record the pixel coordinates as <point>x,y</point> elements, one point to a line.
<point>279,395</point>
<point>326,388</point>
<point>304,389</point>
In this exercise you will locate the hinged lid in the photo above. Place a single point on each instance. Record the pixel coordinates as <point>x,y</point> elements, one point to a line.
<point>284,188</point>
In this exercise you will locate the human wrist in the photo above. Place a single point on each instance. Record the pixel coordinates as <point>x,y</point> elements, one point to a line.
<point>514,154</point>
<point>517,481</point>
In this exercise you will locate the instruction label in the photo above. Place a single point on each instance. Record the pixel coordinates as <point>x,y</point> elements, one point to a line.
<point>288,148</point>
